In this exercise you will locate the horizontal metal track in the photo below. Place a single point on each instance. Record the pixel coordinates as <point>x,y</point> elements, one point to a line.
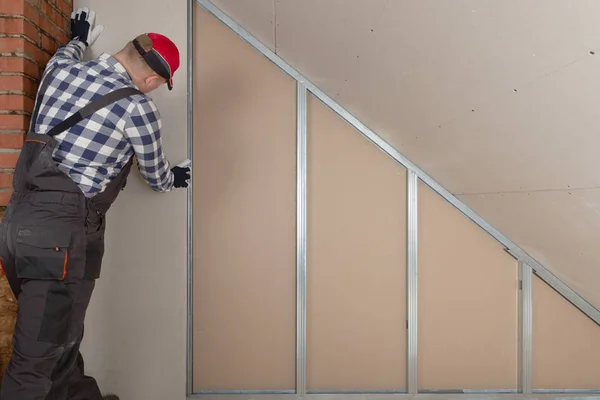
<point>368,392</point>
<point>394,396</point>
<point>545,274</point>
<point>569,391</point>
<point>468,391</point>
<point>242,392</point>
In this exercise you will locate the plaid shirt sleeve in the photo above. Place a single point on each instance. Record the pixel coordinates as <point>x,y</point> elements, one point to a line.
<point>67,54</point>
<point>143,132</point>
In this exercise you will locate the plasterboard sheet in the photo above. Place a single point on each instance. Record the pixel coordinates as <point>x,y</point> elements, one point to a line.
<point>407,67</point>
<point>558,228</point>
<point>468,294</point>
<point>356,266</point>
<point>541,137</point>
<point>244,216</point>
<point>566,343</point>
<point>257,16</point>
<point>437,80</point>
<point>135,328</point>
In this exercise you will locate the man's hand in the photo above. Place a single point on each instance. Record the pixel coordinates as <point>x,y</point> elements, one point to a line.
<point>82,26</point>
<point>182,175</point>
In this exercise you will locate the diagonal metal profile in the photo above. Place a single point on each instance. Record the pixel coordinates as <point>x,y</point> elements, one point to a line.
<point>528,265</point>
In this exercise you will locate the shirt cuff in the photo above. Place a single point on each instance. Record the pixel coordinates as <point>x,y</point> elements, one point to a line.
<point>79,44</point>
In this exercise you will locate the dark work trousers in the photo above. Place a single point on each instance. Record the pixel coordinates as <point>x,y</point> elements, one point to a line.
<point>51,250</point>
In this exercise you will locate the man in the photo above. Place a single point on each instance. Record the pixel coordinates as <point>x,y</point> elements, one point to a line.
<point>91,120</point>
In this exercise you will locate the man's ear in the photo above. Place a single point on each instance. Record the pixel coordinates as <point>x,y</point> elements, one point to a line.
<point>154,80</point>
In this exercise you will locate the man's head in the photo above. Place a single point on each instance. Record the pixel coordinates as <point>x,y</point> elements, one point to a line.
<point>151,60</point>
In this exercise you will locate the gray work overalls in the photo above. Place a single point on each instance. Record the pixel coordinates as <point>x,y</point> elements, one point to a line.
<point>51,249</point>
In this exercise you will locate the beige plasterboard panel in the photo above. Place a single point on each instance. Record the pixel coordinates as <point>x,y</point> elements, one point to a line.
<point>558,228</point>
<point>467,307</point>
<point>407,67</point>
<point>356,266</point>
<point>135,328</point>
<point>566,343</point>
<point>244,216</point>
<point>257,16</point>
<point>541,137</point>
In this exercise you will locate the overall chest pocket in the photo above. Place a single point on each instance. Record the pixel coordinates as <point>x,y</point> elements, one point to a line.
<point>42,253</point>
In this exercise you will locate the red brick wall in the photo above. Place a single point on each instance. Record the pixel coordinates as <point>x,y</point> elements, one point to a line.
<point>30,33</point>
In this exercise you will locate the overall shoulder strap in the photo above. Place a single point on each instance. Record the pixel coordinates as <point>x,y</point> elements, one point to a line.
<point>91,108</point>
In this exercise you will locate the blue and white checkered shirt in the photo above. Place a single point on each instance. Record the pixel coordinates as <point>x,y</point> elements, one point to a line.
<point>94,151</point>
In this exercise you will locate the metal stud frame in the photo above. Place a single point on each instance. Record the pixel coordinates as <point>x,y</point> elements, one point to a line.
<point>189,379</point>
<point>527,264</point>
<point>412,280</point>
<point>525,327</point>
<point>301,241</point>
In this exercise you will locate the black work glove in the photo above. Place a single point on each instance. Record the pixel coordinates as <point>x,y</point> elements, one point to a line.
<point>82,26</point>
<point>182,175</point>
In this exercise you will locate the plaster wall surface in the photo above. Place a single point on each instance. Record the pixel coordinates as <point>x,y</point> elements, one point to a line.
<point>244,215</point>
<point>135,335</point>
<point>468,287</point>
<point>566,344</point>
<point>356,259</point>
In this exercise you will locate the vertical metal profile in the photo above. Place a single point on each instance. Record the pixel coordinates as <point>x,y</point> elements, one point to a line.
<point>525,326</point>
<point>301,150</point>
<point>412,278</point>
<point>190,201</point>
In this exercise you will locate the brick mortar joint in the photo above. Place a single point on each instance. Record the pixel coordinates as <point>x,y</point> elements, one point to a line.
<point>19,36</point>
<point>58,10</point>
<point>4,74</point>
<point>19,16</point>
<point>16,93</point>
<point>21,55</point>
<point>15,112</point>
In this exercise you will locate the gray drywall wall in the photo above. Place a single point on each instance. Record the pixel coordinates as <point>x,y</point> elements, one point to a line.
<point>135,328</point>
